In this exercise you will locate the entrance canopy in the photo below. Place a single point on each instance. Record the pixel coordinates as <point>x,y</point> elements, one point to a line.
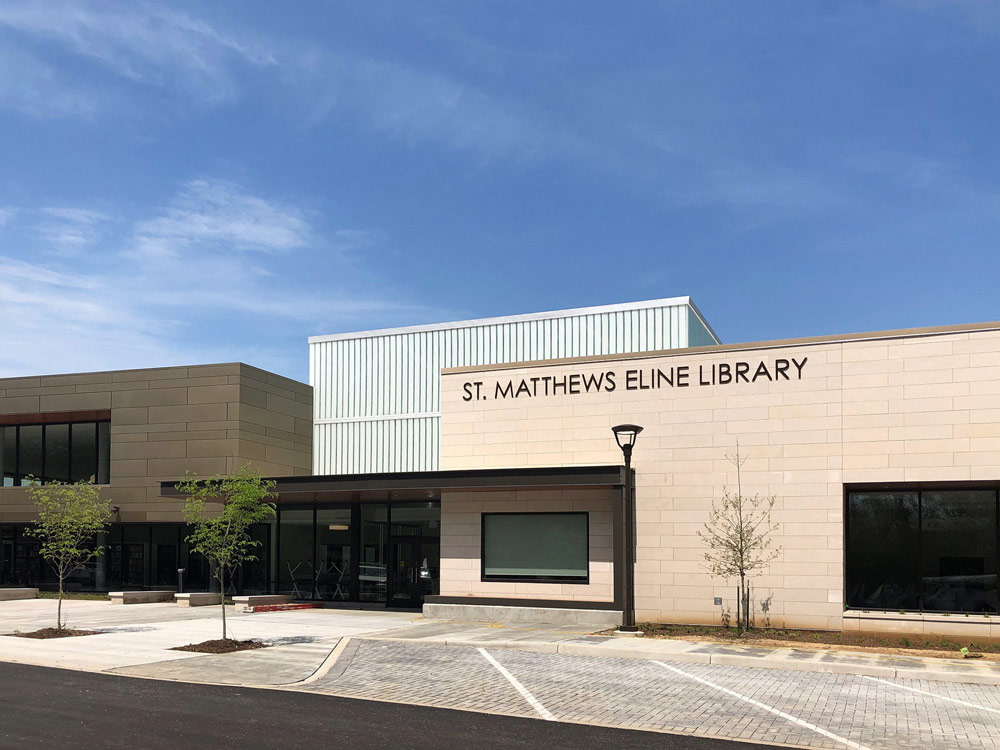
<point>376,538</point>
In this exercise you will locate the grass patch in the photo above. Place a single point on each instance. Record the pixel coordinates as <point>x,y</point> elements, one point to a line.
<point>82,595</point>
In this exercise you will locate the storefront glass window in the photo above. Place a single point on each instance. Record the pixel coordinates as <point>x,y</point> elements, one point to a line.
<point>296,573</point>
<point>374,552</point>
<point>930,550</point>
<point>535,547</point>
<point>959,551</point>
<point>882,561</point>
<point>333,553</point>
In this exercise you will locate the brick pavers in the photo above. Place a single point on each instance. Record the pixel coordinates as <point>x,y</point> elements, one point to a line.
<point>642,694</point>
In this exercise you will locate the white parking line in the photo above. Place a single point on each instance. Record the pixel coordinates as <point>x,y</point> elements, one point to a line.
<point>542,711</point>
<point>933,695</point>
<point>771,709</point>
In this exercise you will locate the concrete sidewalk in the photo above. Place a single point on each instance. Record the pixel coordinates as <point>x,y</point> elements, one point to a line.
<point>571,641</point>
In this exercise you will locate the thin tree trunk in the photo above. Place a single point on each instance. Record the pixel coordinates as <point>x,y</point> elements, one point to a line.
<point>59,606</point>
<point>222,597</point>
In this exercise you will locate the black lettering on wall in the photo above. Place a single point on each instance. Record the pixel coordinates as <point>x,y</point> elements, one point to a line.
<point>661,376</point>
<point>800,365</point>
<point>574,383</point>
<point>630,380</point>
<point>781,368</point>
<point>742,368</point>
<point>682,376</point>
<point>725,376</point>
<point>609,379</point>
<point>762,371</point>
<point>468,392</point>
<point>592,382</point>
<point>506,391</point>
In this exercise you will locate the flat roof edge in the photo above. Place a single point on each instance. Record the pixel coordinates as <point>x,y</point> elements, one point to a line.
<point>609,475</point>
<point>500,320</point>
<point>719,348</point>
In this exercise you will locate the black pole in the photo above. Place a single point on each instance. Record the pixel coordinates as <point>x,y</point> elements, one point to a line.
<point>628,609</point>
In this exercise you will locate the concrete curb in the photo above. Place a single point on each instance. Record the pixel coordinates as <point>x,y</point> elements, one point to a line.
<point>790,661</point>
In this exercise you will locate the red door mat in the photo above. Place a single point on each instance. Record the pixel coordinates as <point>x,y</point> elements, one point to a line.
<point>283,607</point>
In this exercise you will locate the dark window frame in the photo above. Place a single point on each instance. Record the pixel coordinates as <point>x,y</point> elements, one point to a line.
<point>101,460</point>
<point>919,489</point>
<point>484,577</point>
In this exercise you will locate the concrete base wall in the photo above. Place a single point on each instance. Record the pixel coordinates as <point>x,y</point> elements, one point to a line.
<point>140,597</point>
<point>7,595</point>
<point>198,599</point>
<point>244,603</point>
<point>596,618</point>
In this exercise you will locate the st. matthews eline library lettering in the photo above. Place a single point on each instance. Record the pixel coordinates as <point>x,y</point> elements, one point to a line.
<point>882,451</point>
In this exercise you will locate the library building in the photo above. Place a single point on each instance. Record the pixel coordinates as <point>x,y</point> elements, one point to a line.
<point>471,469</point>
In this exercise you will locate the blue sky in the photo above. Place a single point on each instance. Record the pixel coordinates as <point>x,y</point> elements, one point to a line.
<point>201,182</point>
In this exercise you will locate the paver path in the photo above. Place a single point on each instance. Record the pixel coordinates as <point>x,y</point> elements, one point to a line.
<point>804,709</point>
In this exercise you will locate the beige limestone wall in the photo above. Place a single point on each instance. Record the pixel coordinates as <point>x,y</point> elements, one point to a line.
<point>890,409</point>
<point>461,540</point>
<point>207,419</point>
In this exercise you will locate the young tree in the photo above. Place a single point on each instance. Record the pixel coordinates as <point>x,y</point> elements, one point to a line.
<point>738,537</point>
<point>222,534</point>
<point>69,518</point>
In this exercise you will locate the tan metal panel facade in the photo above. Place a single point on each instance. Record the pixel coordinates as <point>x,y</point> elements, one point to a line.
<point>377,394</point>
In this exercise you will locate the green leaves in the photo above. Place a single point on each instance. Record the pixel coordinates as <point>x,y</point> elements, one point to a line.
<point>221,511</point>
<point>69,517</point>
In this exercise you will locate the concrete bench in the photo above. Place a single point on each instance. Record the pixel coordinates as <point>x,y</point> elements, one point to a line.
<point>7,595</point>
<point>140,597</point>
<point>244,603</point>
<point>197,599</point>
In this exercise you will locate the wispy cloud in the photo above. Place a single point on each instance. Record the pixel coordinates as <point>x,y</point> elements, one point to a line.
<point>165,287</point>
<point>213,213</point>
<point>67,231</point>
<point>139,43</point>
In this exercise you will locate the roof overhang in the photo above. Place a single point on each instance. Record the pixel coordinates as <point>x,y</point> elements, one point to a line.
<point>424,485</point>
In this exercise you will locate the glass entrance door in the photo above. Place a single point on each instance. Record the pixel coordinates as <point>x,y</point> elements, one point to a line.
<point>405,565</point>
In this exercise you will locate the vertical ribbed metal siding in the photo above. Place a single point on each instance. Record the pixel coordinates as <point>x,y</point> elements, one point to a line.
<point>399,374</point>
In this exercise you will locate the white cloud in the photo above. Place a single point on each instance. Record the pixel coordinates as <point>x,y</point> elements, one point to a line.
<point>196,282</point>
<point>212,212</point>
<point>67,231</point>
<point>144,44</point>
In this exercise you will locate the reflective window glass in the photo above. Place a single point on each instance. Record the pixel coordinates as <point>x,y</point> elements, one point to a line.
<point>29,452</point>
<point>57,452</point>
<point>333,553</point>
<point>296,575</point>
<point>8,451</point>
<point>83,439</point>
<point>883,548</point>
<point>535,546</point>
<point>374,553</point>
<point>959,551</point>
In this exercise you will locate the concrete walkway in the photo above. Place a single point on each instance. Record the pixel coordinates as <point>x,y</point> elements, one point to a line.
<point>140,634</point>
<point>138,640</point>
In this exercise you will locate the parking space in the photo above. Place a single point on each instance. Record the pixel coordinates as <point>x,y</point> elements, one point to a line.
<point>806,709</point>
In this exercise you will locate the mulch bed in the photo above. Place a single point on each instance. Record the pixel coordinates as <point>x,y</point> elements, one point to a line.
<point>915,645</point>
<point>56,633</point>
<point>221,646</point>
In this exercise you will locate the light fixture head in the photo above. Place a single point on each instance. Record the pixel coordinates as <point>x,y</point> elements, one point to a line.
<point>625,435</point>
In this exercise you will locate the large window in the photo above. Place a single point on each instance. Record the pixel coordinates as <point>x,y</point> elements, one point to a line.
<point>929,550</point>
<point>542,547</point>
<point>63,452</point>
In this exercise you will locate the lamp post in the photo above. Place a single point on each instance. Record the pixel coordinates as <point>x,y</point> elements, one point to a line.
<point>625,435</point>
